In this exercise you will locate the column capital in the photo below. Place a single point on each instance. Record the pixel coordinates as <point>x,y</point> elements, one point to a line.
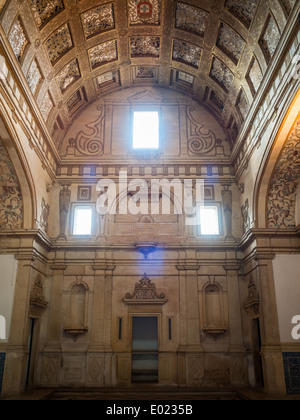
<point>58,267</point>
<point>264,256</point>
<point>103,267</point>
<point>231,267</point>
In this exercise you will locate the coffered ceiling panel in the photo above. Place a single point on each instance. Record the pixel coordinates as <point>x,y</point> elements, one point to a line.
<point>73,52</point>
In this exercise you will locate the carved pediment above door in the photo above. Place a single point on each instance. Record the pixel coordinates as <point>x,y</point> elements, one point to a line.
<point>145,293</point>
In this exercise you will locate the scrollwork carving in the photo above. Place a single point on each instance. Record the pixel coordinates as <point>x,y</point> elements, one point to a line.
<point>200,140</point>
<point>145,293</point>
<point>89,141</point>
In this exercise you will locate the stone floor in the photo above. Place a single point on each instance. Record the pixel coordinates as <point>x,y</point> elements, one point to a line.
<point>150,394</point>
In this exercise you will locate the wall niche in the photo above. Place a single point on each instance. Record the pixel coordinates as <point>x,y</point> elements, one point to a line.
<point>77,310</point>
<point>214,310</point>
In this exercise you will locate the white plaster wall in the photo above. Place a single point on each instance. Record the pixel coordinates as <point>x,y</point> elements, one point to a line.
<point>8,275</point>
<point>287,285</point>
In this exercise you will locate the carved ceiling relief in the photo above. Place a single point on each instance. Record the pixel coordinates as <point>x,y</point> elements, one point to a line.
<point>97,48</point>
<point>11,202</point>
<point>282,195</point>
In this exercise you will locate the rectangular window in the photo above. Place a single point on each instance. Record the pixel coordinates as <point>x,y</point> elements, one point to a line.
<point>209,220</point>
<point>83,220</point>
<point>146,130</point>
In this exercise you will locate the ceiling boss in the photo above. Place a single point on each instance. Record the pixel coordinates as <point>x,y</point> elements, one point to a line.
<point>145,10</point>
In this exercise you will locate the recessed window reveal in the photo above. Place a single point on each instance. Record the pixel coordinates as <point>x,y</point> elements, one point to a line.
<point>83,219</point>
<point>146,130</point>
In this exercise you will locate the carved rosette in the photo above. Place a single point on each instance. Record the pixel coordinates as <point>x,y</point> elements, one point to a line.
<point>144,294</point>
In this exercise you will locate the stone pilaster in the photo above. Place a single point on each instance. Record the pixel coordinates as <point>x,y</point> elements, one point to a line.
<point>55,312</point>
<point>271,347</point>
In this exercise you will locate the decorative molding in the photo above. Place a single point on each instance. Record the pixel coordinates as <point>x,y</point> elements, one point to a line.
<point>145,294</point>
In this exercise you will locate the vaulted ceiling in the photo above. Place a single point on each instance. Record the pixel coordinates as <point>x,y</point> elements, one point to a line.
<point>73,52</point>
